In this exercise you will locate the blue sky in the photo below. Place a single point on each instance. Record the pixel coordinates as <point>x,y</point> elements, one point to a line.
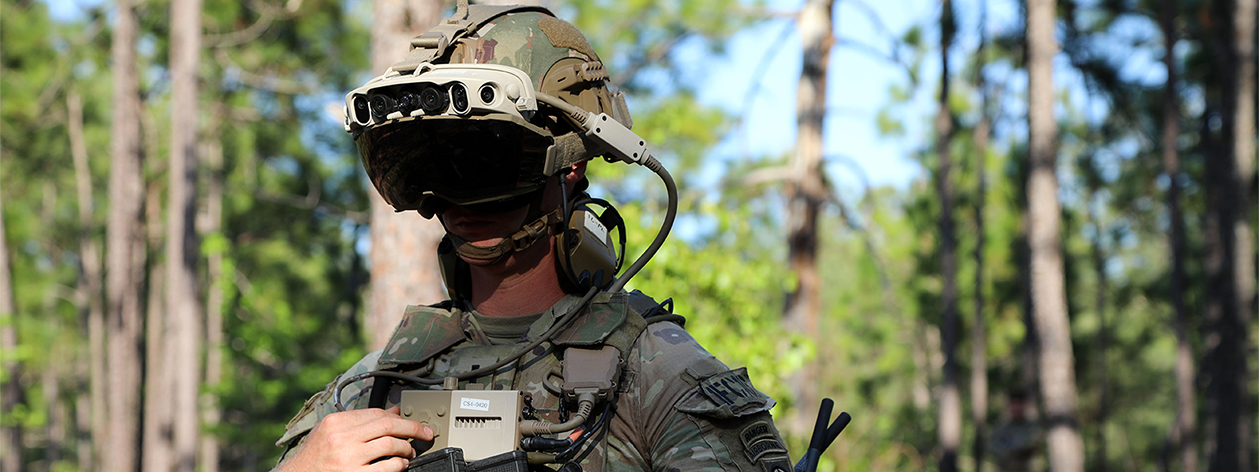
<point>858,84</point>
<point>858,87</point>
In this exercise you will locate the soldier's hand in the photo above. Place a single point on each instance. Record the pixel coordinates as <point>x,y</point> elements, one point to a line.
<point>354,441</point>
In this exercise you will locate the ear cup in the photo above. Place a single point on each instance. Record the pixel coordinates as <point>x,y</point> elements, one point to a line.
<point>586,253</point>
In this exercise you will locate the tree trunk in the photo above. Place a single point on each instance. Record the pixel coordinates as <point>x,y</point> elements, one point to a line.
<point>182,249</point>
<point>157,384</point>
<point>1103,334</point>
<point>1182,436</point>
<point>950,406</point>
<point>89,290</point>
<point>1244,150</point>
<point>54,427</point>
<point>125,252</point>
<point>1029,352</point>
<point>210,411</point>
<point>1227,362</point>
<point>1049,303</point>
<point>1224,349</point>
<point>11,391</point>
<point>85,449</point>
<point>1244,156</point>
<point>156,432</point>
<point>979,335</point>
<point>403,257</point>
<point>922,381</point>
<point>805,192</point>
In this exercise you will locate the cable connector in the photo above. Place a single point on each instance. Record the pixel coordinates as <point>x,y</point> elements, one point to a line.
<point>620,142</point>
<point>585,404</point>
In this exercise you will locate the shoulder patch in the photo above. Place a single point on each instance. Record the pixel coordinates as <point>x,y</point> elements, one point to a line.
<point>424,332</point>
<point>704,368</point>
<point>729,394</point>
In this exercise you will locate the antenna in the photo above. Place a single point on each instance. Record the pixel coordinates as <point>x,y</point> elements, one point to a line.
<point>822,436</point>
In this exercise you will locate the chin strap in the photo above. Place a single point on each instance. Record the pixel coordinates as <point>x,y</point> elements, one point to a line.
<point>529,234</point>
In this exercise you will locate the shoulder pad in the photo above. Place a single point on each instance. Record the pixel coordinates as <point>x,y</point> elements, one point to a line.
<point>424,332</point>
<point>608,320</point>
<point>605,313</point>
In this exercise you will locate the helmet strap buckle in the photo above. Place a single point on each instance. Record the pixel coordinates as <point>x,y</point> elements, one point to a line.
<point>528,235</point>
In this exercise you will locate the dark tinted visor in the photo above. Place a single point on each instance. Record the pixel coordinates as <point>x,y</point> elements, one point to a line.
<point>458,160</point>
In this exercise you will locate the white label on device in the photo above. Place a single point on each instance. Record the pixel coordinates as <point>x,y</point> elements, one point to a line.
<point>474,404</point>
<point>595,227</point>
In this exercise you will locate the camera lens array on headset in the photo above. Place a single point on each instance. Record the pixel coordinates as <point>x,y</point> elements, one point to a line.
<point>462,90</point>
<point>384,104</point>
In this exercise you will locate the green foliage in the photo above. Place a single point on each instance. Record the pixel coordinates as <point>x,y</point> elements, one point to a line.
<point>630,35</point>
<point>889,125</point>
<point>729,290</point>
<point>290,266</point>
<point>293,213</point>
<point>42,61</point>
<point>727,285</point>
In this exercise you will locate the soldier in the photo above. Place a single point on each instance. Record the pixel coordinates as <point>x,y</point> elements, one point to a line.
<point>488,125</point>
<point>1014,443</point>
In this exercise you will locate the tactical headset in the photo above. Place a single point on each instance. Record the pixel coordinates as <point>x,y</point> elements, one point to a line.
<point>586,255</point>
<point>440,128</point>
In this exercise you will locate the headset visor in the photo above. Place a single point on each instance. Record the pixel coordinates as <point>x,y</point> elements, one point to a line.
<point>461,161</point>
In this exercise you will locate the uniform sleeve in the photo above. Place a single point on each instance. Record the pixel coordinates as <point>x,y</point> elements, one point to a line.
<point>321,404</point>
<point>688,411</point>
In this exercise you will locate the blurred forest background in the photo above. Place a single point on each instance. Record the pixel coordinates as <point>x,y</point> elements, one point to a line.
<point>186,229</point>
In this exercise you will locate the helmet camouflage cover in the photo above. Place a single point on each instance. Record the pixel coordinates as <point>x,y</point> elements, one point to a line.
<point>424,161</point>
<point>555,55</point>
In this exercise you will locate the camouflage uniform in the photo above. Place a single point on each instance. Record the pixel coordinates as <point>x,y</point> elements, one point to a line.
<point>1014,445</point>
<point>678,408</point>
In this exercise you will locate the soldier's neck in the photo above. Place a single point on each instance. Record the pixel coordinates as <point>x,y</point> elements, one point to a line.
<point>524,284</point>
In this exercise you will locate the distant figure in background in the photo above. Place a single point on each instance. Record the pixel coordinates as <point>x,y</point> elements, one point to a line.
<point>1015,443</point>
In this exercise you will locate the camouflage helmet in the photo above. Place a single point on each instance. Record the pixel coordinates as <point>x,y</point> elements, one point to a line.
<point>555,55</point>
<point>502,151</point>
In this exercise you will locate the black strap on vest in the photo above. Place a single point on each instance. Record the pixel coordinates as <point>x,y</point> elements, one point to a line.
<point>380,392</point>
<point>664,312</point>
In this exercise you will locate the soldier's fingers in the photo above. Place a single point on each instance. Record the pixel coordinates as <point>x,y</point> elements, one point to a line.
<point>351,418</point>
<point>389,446</point>
<point>391,464</point>
<point>395,427</point>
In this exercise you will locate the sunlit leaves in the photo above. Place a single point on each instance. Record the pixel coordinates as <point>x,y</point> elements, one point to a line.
<point>730,292</point>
